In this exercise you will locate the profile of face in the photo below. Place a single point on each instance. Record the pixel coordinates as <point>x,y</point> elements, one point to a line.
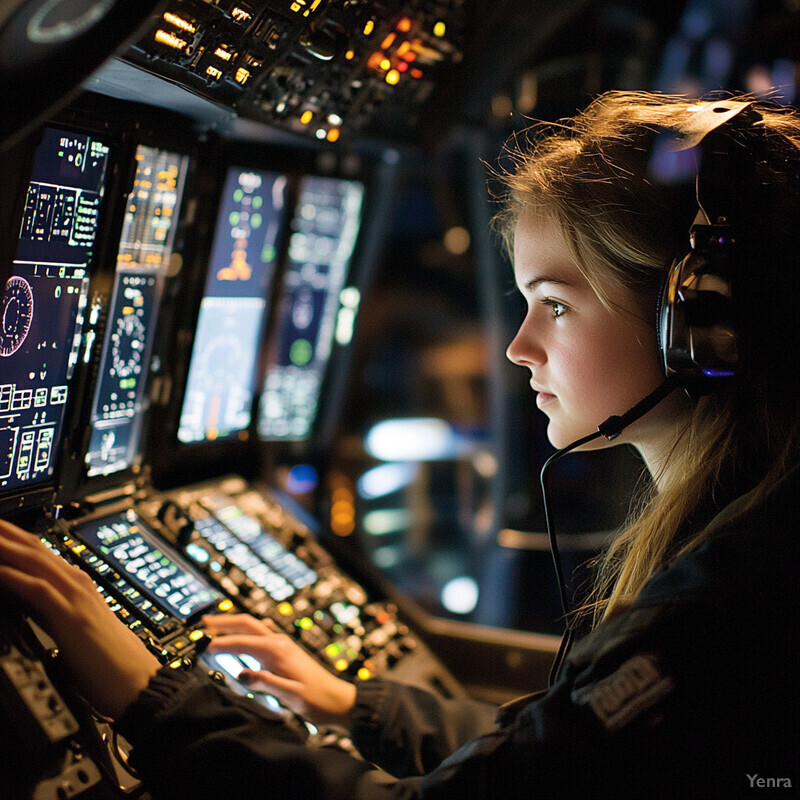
<point>587,361</point>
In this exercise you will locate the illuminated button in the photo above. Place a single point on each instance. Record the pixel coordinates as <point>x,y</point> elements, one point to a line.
<point>385,64</point>
<point>196,635</point>
<point>369,27</point>
<point>333,649</point>
<point>285,609</point>
<point>170,40</point>
<point>176,663</point>
<point>341,665</point>
<point>392,77</point>
<point>333,135</point>
<point>306,623</point>
<point>225,605</point>
<point>364,674</point>
<point>439,29</point>
<point>242,75</point>
<point>404,25</point>
<point>388,41</point>
<point>306,117</point>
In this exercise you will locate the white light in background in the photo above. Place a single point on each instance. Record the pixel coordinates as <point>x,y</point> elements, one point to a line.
<point>460,595</point>
<point>421,439</point>
<point>386,520</point>
<point>385,479</point>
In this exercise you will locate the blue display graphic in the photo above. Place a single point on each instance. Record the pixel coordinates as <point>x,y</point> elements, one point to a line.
<point>143,257</point>
<point>324,231</point>
<point>219,390</point>
<point>44,302</point>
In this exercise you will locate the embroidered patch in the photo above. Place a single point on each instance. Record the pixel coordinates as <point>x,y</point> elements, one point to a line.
<point>621,697</point>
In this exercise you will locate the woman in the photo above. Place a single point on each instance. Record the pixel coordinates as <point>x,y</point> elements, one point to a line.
<point>685,687</point>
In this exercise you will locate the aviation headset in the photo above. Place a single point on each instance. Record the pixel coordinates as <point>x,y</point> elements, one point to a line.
<point>697,336</point>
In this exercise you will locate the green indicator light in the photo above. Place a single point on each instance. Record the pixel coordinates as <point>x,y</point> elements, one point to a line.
<point>300,352</point>
<point>238,195</point>
<point>234,218</point>
<point>258,201</point>
<point>255,221</point>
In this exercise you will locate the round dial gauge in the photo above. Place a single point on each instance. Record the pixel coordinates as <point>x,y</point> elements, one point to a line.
<point>17,315</point>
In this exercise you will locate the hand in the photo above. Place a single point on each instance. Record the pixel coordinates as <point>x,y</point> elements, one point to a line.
<point>290,673</point>
<point>109,663</point>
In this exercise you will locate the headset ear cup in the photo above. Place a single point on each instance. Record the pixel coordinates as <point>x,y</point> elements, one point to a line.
<point>696,333</point>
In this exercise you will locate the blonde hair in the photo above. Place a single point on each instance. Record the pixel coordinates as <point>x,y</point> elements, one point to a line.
<point>591,175</point>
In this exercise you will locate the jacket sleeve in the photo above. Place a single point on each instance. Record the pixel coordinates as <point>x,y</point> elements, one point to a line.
<point>192,737</point>
<point>409,731</point>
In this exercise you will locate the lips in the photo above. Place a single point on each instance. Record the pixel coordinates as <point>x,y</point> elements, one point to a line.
<point>544,399</point>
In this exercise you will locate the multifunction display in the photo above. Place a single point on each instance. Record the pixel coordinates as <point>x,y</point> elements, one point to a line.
<point>44,301</point>
<point>144,251</point>
<point>218,400</point>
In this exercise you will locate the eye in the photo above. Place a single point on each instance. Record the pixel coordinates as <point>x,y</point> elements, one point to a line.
<point>556,307</point>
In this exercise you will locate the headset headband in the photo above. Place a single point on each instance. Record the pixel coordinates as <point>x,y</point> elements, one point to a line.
<point>706,119</point>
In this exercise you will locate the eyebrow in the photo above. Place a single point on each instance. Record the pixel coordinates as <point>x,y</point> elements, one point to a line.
<point>534,282</point>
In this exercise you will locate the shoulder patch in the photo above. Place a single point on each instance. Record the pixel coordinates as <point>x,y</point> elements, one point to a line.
<point>621,697</point>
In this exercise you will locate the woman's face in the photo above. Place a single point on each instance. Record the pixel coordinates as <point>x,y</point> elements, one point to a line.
<point>587,362</point>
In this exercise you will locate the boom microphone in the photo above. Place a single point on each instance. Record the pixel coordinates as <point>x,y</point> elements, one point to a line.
<point>610,428</point>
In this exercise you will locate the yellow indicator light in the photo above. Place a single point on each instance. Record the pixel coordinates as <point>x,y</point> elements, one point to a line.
<point>224,54</point>
<point>225,605</point>
<point>388,41</point>
<point>176,663</point>
<point>306,623</point>
<point>179,22</point>
<point>285,609</point>
<point>127,310</point>
<point>333,135</point>
<point>213,72</point>
<point>369,27</point>
<point>78,549</point>
<point>350,55</point>
<point>241,15</point>
<point>333,650</point>
<point>392,77</point>
<point>364,674</point>
<point>196,635</point>
<point>242,75</point>
<point>385,64</point>
<point>439,29</point>
<point>341,665</point>
<point>306,117</point>
<point>170,40</point>
<point>404,25</point>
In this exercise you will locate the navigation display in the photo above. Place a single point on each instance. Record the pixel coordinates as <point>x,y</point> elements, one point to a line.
<point>324,231</point>
<point>143,257</point>
<point>44,301</point>
<point>222,373</point>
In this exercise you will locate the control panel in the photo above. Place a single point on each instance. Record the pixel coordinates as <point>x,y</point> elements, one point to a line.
<point>321,68</point>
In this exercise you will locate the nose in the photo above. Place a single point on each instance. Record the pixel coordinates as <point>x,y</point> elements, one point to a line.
<point>525,349</point>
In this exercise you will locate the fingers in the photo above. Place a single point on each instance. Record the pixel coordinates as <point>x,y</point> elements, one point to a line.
<point>218,624</point>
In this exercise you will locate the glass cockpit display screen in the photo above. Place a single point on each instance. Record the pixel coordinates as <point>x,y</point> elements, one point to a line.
<point>44,301</point>
<point>165,578</point>
<point>313,306</point>
<point>144,251</point>
<point>218,399</point>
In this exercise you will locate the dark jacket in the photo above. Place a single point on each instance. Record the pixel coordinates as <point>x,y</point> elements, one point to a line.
<point>691,692</point>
